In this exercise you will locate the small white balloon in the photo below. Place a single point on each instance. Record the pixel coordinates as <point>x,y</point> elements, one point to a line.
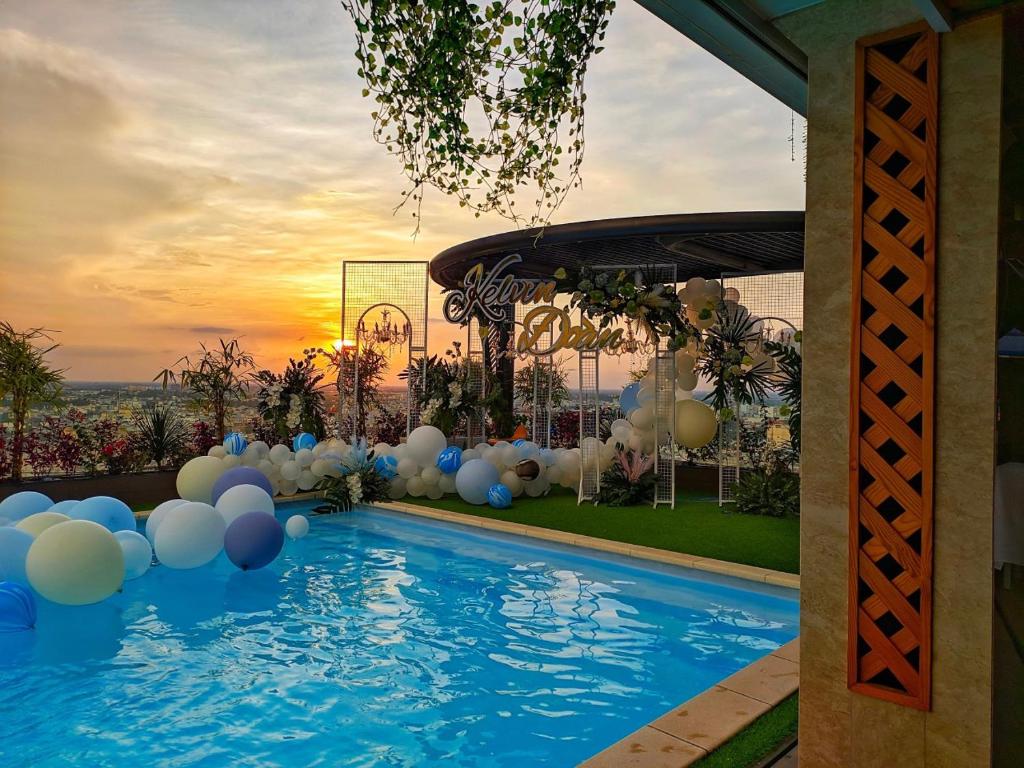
<point>447,483</point>
<point>217,451</point>
<point>415,486</point>
<point>279,454</point>
<point>291,470</point>
<point>307,480</point>
<point>289,487</point>
<point>296,527</point>
<point>231,461</point>
<point>431,475</point>
<point>407,468</point>
<point>304,457</point>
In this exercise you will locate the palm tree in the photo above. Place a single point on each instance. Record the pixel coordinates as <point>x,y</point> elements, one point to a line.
<point>28,380</point>
<point>160,432</point>
<point>215,378</point>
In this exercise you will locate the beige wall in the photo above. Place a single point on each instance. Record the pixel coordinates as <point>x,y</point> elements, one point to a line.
<point>839,728</point>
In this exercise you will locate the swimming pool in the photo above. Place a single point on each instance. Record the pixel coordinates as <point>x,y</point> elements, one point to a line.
<point>379,640</point>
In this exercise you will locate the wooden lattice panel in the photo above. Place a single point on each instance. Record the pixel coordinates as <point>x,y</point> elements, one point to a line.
<point>892,378</point>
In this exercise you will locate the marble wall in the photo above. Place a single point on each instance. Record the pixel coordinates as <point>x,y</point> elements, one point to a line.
<point>837,727</point>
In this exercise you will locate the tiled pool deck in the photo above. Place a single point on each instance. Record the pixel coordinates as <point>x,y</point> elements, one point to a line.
<point>684,735</point>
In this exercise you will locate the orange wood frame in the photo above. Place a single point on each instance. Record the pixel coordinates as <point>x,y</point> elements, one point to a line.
<point>893,366</point>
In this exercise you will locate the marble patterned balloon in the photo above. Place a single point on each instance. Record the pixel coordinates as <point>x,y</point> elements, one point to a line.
<point>235,443</point>
<point>450,459</point>
<point>499,496</point>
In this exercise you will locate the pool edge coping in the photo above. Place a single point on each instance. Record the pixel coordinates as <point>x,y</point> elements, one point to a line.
<point>640,552</point>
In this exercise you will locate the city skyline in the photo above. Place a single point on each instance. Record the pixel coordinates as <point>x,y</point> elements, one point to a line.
<point>175,172</point>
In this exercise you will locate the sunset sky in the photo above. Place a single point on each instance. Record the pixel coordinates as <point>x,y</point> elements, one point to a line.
<point>175,171</point>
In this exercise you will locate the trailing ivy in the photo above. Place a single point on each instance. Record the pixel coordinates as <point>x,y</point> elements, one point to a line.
<point>479,101</point>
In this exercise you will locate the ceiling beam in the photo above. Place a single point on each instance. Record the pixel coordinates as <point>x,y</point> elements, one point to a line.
<point>734,33</point>
<point>936,13</point>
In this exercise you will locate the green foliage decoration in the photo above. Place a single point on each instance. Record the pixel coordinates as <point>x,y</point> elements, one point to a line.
<point>480,101</point>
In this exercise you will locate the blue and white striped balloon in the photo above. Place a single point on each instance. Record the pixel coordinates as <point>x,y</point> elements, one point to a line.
<point>386,466</point>
<point>303,440</point>
<point>450,459</point>
<point>235,443</point>
<point>499,496</point>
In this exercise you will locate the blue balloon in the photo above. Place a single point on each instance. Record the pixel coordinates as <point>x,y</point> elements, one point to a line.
<point>450,459</point>
<point>628,399</point>
<point>253,540</point>
<point>14,545</point>
<point>113,514</point>
<point>234,443</point>
<point>64,507</point>
<point>22,504</point>
<point>303,440</point>
<point>240,476</point>
<point>499,496</point>
<point>386,466</point>
<point>17,608</point>
<point>519,442</point>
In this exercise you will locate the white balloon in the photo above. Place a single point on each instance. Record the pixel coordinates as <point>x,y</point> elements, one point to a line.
<point>195,479</point>
<point>509,455</point>
<point>304,457</point>
<point>696,423</point>
<point>138,554</point>
<point>425,443</point>
<point>307,480</point>
<point>407,468</point>
<point>382,449</point>
<point>157,516</point>
<point>297,526</point>
<point>320,468</point>
<point>291,470</point>
<point>434,492</point>
<point>513,482</point>
<point>431,475</point>
<point>415,486</point>
<point>684,362</point>
<point>473,480</point>
<point>686,381</point>
<point>217,451</point>
<point>471,453</point>
<point>396,488</point>
<point>447,483</point>
<point>279,454</point>
<point>231,461</point>
<point>191,535</point>
<point>76,562</point>
<point>537,487</point>
<point>643,417</point>
<point>239,499</point>
<point>266,466</point>
<point>288,487</point>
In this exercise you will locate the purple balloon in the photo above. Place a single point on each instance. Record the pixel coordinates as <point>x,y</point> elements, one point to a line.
<point>17,608</point>
<point>253,540</point>
<point>241,476</point>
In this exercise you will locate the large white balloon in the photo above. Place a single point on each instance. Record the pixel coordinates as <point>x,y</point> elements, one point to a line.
<point>190,535</point>
<point>425,443</point>
<point>239,499</point>
<point>40,521</point>
<point>138,554</point>
<point>296,527</point>
<point>195,479</point>
<point>473,480</point>
<point>24,503</point>
<point>157,516</point>
<point>76,562</point>
<point>696,424</point>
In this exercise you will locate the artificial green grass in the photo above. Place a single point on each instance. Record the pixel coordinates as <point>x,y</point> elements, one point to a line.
<point>757,741</point>
<point>697,526</point>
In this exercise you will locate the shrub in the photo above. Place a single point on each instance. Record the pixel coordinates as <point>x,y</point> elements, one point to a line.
<point>630,480</point>
<point>773,492</point>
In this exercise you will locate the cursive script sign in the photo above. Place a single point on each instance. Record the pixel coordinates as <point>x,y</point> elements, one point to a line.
<point>546,329</point>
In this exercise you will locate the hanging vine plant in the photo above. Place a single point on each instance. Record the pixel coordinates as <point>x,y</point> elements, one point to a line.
<point>481,101</point>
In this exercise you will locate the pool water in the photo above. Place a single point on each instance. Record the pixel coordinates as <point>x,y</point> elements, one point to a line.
<point>378,640</point>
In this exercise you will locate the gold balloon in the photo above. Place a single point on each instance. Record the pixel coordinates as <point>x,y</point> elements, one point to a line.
<point>696,423</point>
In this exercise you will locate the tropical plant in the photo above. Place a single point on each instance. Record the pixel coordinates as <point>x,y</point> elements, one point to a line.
<point>201,439</point>
<point>216,377</point>
<point>159,433</point>
<point>475,99</point>
<point>372,364</point>
<point>27,381</point>
<point>788,378</point>
<point>629,480</point>
<point>357,482</point>
<point>773,491</point>
<point>389,426</point>
<point>552,383</point>
<point>293,401</point>
<point>727,359</point>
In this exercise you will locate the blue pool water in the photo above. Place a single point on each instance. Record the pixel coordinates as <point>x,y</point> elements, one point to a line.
<point>379,640</point>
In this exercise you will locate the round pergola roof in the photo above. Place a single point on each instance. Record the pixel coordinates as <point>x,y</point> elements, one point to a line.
<point>699,244</point>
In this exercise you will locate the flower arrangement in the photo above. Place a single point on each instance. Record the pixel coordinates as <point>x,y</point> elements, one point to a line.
<point>446,398</point>
<point>630,479</point>
<point>293,401</point>
<point>357,480</point>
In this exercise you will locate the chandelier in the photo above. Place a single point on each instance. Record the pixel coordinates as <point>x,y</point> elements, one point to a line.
<point>631,345</point>
<point>385,333</point>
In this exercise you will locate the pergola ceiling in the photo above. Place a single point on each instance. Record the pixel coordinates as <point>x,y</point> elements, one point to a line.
<point>704,244</point>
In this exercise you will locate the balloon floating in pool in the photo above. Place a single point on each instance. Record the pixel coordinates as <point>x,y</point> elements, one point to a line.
<point>253,540</point>
<point>22,504</point>
<point>239,476</point>
<point>75,563</point>
<point>297,526</point>
<point>14,546</point>
<point>113,514</point>
<point>17,608</point>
